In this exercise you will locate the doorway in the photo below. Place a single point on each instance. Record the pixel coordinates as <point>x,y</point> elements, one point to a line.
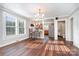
<point>49,30</point>
<point>46,29</point>
<point>61,30</point>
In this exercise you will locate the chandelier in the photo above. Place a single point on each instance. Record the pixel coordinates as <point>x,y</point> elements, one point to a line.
<point>40,14</point>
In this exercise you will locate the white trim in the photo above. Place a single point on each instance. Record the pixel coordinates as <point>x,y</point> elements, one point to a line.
<point>15,41</point>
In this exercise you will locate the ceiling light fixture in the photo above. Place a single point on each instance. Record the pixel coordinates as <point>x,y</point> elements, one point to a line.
<point>39,14</point>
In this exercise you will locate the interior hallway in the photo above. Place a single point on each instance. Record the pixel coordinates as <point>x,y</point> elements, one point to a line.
<point>39,47</point>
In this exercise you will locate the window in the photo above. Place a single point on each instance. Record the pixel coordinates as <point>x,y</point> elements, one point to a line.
<point>14,25</point>
<point>10,25</point>
<point>21,27</point>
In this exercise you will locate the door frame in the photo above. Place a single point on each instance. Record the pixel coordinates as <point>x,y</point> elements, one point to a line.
<point>64,29</point>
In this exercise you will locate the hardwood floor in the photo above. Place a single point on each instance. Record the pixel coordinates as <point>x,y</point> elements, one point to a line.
<point>39,47</point>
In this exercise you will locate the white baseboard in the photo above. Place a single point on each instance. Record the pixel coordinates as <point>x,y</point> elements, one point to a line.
<point>77,45</point>
<point>2,45</point>
<point>11,42</point>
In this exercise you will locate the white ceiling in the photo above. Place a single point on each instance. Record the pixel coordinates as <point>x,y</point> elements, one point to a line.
<point>51,9</point>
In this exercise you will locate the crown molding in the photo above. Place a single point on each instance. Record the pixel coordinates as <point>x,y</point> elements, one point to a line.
<point>12,12</point>
<point>77,9</point>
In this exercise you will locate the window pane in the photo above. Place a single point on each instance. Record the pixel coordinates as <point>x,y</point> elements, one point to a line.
<point>21,27</point>
<point>21,30</point>
<point>21,24</point>
<point>10,30</point>
<point>10,25</point>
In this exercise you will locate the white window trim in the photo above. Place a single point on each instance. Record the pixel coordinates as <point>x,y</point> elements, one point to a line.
<point>16,24</point>
<point>8,14</point>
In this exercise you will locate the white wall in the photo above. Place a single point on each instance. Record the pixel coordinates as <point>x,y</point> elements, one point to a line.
<point>75,28</point>
<point>68,30</point>
<point>5,40</point>
<point>55,30</point>
<point>1,33</point>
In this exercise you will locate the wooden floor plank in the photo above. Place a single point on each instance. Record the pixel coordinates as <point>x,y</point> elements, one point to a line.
<point>38,47</point>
